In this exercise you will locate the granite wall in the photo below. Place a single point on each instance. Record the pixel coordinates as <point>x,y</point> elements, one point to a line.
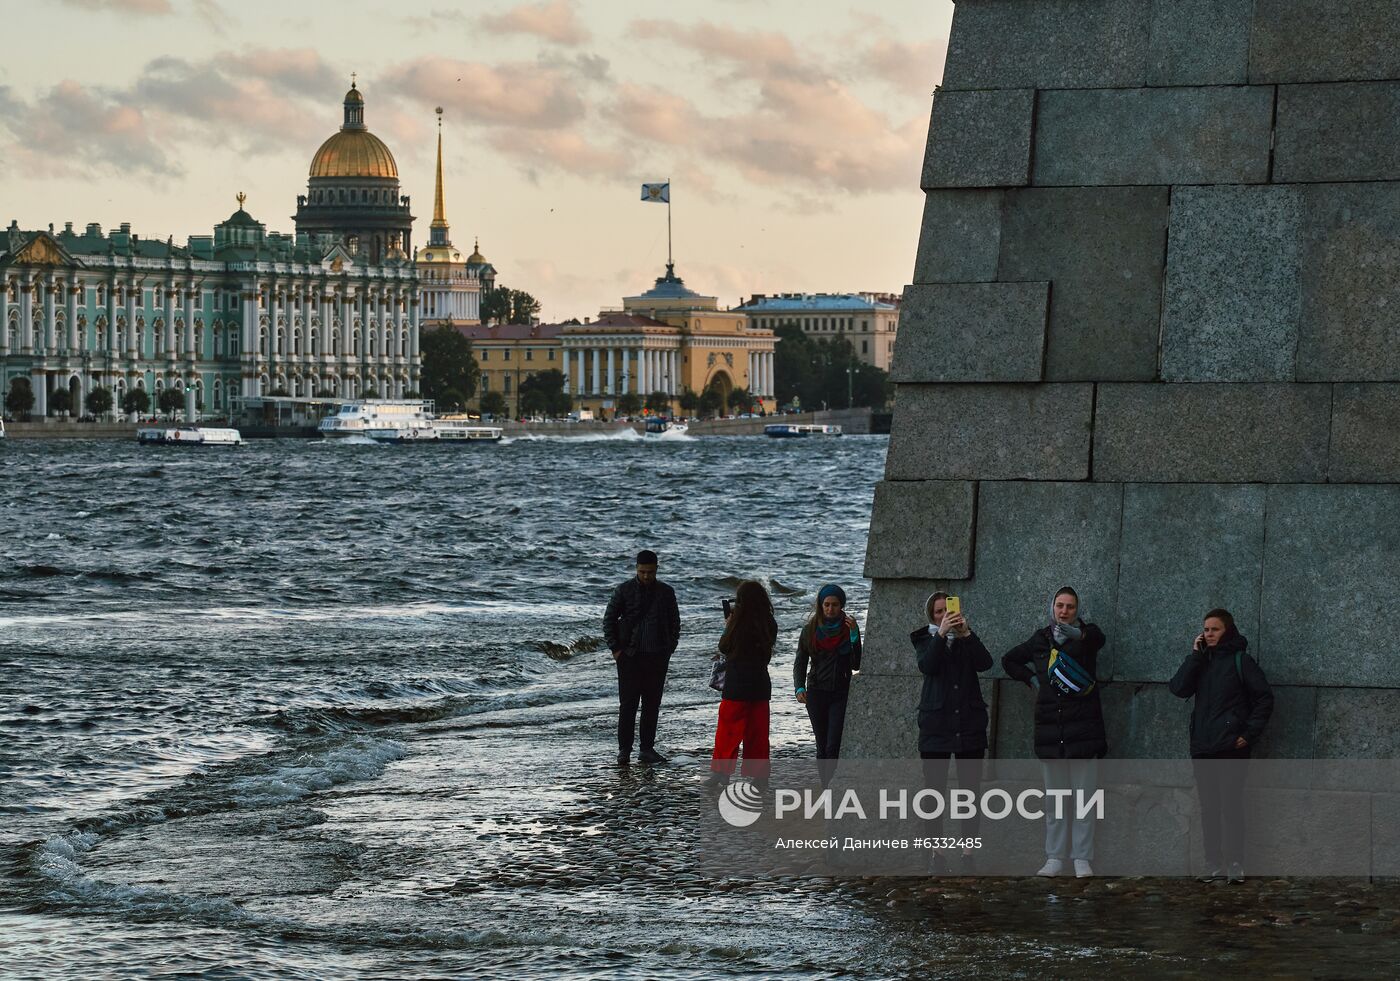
<point>1152,348</point>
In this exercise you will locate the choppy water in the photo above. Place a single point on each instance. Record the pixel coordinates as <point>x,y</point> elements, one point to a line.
<point>310,710</point>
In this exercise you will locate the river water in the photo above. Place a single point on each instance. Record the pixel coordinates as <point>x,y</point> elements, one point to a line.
<point>339,710</point>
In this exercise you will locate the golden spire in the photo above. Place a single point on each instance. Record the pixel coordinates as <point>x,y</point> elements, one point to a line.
<point>439,211</point>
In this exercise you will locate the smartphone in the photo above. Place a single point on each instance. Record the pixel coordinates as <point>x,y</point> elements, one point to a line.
<point>954,605</point>
<point>728,608</point>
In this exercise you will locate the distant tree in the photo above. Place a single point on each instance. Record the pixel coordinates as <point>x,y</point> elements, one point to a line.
<point>137,400</point>
<point>543,393</point>
<point>711,400</point>
<point>493,404</point>
<point>571,322</point>
<point>279,392</point>
<point>658,402</point>
<point>413,393</point>
<point>503,305</point>
<point>741,400</point>
<point>689,400</point>
<point>451,401</point>
<point>629,403</point>
<point>448,364</point>
<point>824,372</point>
<point>170,400</point>
<point>99,401</point>
<point>60,400</point>
<point>19,400</point>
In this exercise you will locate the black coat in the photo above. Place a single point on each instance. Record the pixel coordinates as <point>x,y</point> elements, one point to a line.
<point>830,670</point>
<point>1066,726</point>
<point>952,712</point>
<point>642,619</point>
<point>1230,702</point>
<point>746,665</point>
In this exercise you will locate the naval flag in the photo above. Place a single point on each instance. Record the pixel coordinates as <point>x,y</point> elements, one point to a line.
<point>660,193</point>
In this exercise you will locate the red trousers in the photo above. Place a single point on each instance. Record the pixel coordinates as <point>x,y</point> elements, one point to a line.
<point>741,722</point>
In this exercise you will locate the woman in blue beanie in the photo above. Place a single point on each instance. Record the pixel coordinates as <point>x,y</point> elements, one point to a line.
<point>828,651</point>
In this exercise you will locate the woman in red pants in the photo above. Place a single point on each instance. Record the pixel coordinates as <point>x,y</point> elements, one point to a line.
<point>747,645</point>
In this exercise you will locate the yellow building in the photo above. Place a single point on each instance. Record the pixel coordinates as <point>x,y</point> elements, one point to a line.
<point>868,320</point>
<point>507,354</point>
<point>669,339</point>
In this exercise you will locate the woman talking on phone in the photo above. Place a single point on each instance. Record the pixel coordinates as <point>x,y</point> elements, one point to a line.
<point>828,651</point>
<point>1233,704</point>
<point>747,645</point>
<point>1060,662</point>
<point>952,712</point>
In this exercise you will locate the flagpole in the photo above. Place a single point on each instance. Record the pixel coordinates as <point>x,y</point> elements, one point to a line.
<point>670,260</point>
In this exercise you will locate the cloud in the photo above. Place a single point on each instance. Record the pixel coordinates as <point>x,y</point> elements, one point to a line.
<point>913,67</point>
<point>517,94</point>
<point>72,130</point>
<point>142,7</point>
<point>563,150</point>
<point>550,20</point>
<point>750,54</point>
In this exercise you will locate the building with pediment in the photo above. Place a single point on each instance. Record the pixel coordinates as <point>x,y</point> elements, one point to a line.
<point>331,310</point>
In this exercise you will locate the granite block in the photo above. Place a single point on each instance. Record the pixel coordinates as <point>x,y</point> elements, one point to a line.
<point>1200,42</point>
<point>1351,283</point>
<point>1338,132</point>
<point>921,530</point>
<point>1186,549</point>
<point>896,609</point>
<point>882,717</point>
<point>1297,41</point>
<point>1233,295</point>
<point>1211,433</point>
<point>961,237</point>
<point>1101,249</point>
<point>1214,135</point>
<point>972,332</point>
<point>1331,592</point>
<point>1357,723</point>
<point>1365,444</point>
<point>1147,722</point>
<point>990,432</point>
<point>979,139</point>
<point>1048,44</point>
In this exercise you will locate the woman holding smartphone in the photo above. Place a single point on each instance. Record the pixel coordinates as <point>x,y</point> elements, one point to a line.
<point>747,645</point>
<point>828,651</point>
<point>952,712</point>
<point>1060,663</point>
<point>1233,704</point>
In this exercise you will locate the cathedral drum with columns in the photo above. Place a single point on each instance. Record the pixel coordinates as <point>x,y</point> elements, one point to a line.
<point>241,312</point>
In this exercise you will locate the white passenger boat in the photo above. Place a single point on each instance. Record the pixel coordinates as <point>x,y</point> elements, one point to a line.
<point>386,420</point>
<point>189,436</point>
<point>462,430</point>
<point>792,430</point>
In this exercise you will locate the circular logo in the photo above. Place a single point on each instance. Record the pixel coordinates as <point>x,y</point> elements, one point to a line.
<point>741,804</point>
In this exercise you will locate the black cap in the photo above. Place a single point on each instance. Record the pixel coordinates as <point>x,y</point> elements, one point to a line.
<point>646,557</point>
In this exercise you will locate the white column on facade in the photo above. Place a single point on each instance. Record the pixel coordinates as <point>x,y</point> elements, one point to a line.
<point>189,295</point>
<point>111,317</point>
<point>612,371</point>
<point>673,366</point>
<point>4,317</point>
<point>567,380</point>
<point>248,296</point>
<point>173,308</point>
<point>70,308</point>
<point>49,316</point>
<point>582,385</point>
<point>772,384</point>
<point>596,361</point>
<point>38,381</point>
<point>643,366</point>
<point>26,317</point>
<point>133,292</point>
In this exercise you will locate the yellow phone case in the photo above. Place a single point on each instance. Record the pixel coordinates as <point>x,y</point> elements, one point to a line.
<point>954,605</point>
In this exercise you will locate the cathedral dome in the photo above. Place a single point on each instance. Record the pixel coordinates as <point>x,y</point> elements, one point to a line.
<point>354,153</point>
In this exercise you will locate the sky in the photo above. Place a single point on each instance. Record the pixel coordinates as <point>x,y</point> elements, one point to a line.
<point>792,131</point>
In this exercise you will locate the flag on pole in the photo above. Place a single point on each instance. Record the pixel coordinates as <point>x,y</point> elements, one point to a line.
<point>659,193</point>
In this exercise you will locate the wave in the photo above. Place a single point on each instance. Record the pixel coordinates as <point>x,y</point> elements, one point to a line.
<point>626,435</point>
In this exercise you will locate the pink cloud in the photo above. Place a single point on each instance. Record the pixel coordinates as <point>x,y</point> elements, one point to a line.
<point>564,150</point>
<point>72,130</point>
<point>551,20</point>
<point>912,67</point>
<point>516,94</point>
<point>144,7</point>
<point>752,54</point>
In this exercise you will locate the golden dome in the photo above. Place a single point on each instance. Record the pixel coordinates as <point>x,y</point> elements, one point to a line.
<point>354,153</point>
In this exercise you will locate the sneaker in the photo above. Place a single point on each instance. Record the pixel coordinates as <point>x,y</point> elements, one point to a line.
<point>1215,874</point>
<point>1082,869</point>
<point>1051,868</point>
<point>1236,873</point>
<point>650,756</point>
<point>624,758</point>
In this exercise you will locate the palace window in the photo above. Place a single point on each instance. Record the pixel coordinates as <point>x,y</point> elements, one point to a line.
<point>505,355</point>
<point>864,349</point>
<point>485,355</point>
<point>551,354</point>
<point>505,385</point>
<point>529,354</point>
<point>486,383</point>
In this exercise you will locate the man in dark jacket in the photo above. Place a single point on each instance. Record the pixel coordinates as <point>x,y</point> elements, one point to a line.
<point>1233,704</point>
<point>642,627</point>
<point>952,712</point>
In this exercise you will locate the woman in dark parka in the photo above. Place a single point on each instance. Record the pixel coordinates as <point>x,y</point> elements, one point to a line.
<point>1060,663</point>
<point>1233,702</point>
<point>952,712</point>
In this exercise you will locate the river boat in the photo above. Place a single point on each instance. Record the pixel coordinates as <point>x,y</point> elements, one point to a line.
<point>660,426</point>
<point>387,420</point>
<point>460,429</point>
<point>188,436</point>
<point>793,430</point>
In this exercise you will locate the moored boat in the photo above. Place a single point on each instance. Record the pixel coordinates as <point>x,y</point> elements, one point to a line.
<point>386,420</point>
<point>793,430</point>
<point>189,436</point>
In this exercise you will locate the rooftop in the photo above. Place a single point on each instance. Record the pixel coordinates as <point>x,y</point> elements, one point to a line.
<point>815,302</point>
